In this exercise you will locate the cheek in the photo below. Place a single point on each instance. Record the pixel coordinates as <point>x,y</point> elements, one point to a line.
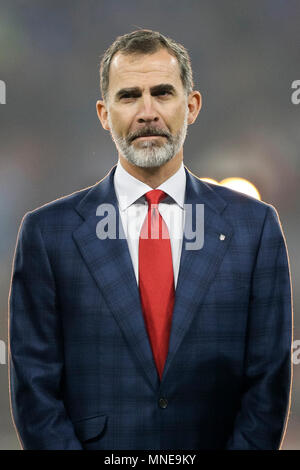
<point>175,119</point>
<point>121,122</point>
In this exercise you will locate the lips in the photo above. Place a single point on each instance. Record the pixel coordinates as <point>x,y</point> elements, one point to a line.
<point>148,135</point>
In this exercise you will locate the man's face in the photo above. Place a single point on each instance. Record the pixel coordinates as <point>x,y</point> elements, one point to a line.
<point>147,109</point>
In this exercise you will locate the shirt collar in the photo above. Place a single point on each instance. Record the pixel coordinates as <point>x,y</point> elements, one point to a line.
<point>129,189</point>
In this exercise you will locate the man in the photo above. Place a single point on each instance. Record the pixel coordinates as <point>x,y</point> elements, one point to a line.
<point>124,340</point>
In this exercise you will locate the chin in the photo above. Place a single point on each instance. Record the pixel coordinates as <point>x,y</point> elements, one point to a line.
<point>148,161</point>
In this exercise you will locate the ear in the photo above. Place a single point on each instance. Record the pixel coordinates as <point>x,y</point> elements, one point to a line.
<point>194,105</point>
<point>102,114</point>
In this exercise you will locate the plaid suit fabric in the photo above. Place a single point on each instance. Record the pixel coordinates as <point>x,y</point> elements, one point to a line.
<point>82,374</point>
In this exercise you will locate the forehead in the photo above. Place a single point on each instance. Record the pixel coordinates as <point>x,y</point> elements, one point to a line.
<point>143,70</point>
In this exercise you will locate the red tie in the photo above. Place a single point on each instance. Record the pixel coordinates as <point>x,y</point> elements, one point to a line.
<point>156,279</point>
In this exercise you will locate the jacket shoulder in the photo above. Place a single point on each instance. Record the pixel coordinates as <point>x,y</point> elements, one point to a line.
<point>60,210</point>
<point>231,196</point>
<point>237,207</point>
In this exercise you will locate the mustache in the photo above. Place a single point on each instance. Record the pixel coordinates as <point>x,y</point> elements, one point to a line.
<point>147,131</point>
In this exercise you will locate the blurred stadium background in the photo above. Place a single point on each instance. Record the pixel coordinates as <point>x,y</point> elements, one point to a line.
<point>245,56</point>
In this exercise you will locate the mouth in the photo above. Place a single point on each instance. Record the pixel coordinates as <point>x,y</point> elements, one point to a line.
<point>149,137</point>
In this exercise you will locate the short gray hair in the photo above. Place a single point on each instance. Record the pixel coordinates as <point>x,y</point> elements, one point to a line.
<point>145,41</point>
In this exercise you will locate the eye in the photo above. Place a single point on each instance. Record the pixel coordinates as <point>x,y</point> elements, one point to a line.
<point>126,96</point>
<point>163,94</point>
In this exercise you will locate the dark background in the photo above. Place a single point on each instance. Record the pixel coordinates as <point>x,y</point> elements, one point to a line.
<point>245,56</point>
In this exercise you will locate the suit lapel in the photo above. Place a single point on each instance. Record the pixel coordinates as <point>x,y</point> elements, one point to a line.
<point>197,267</point>
<point>110,264</point>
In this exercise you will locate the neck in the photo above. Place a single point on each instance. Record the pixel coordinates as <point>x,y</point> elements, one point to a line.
<point>153,176</point>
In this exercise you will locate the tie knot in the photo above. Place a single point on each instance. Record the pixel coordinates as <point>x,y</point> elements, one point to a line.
<point>155,196</point>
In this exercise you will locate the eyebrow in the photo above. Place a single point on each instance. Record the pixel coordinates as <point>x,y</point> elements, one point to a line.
<point>136,91</point>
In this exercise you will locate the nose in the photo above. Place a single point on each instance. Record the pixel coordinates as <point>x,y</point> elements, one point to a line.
<point>147,112</point>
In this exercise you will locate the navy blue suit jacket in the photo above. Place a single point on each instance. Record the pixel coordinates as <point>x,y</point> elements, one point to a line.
<point>82,374</point>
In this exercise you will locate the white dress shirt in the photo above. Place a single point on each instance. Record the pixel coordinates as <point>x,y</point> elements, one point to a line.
<point>133,209</point>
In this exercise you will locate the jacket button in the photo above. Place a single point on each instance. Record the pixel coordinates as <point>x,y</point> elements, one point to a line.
<point>163,403</point>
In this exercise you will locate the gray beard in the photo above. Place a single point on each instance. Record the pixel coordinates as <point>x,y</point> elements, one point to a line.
<point>150,154</point>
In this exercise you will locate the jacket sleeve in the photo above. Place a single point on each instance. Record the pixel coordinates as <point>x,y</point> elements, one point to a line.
<point>36,348</point>
<point>265,402</point>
